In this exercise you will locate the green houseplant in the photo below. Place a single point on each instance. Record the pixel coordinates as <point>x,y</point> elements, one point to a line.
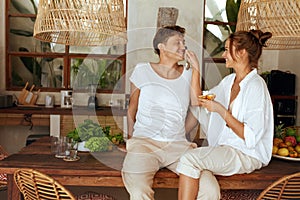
<point>232,8</point>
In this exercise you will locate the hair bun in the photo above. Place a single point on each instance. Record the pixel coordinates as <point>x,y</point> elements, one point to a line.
<point>264,37</point>
<point>261,37</point>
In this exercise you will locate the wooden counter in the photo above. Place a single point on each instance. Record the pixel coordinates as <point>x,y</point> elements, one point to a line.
<point>78,110</point>
<point>103,170</point>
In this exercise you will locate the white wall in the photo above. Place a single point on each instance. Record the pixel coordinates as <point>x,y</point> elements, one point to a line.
<point>269,60</point>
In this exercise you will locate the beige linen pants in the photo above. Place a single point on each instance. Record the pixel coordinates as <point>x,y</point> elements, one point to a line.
<point>204,162</point>
<point>144,158</point>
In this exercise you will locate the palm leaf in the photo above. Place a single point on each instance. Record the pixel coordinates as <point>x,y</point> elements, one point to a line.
<point>232,10</point>
<point>210,38</point>
<point>33,66</point>
<point>17,79</point>
<point>21,32</point>
<point>19,6</point>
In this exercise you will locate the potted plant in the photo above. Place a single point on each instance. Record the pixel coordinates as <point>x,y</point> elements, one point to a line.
<point>75,136</point>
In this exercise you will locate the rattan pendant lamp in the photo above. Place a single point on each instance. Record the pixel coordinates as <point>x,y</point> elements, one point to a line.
<point>81,22</point>
<point>280,17</point>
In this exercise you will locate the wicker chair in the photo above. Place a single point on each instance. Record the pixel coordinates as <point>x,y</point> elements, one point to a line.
<point>287,187</point>
<point>3,177</point>
<point>36,185</point>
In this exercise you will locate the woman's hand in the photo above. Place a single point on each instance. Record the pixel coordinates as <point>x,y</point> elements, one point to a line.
<point>231,122</point>
<point>211,105</point>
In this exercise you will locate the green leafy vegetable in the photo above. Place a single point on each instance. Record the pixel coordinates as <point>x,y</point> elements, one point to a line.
<point>95,144</point>
<point>89,129</point>
<point>96,138</point>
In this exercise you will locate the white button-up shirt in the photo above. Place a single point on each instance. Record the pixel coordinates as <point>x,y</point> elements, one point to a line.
<point>253,107</point>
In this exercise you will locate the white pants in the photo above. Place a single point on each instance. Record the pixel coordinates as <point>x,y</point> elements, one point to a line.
<point>144,158</point>
<point>205,162</point>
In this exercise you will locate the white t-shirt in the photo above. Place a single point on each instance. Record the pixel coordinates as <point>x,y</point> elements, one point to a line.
<point>253,107</point>
<point>163,104</point>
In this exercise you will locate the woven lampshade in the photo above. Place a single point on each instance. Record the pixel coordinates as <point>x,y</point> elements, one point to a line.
<point>81,22</point>
<point>280,17</point>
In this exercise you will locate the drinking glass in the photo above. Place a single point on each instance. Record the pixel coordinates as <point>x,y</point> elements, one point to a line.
<point>61,147</point>
<point>54,144</point>
<point>72,150</point>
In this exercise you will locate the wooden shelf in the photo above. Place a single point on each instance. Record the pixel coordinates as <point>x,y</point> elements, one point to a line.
<point>78,110</point>
<point>277,97</point>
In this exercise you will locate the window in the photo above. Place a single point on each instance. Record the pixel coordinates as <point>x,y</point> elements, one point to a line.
<point>219,23</point>
<point>52,67</point>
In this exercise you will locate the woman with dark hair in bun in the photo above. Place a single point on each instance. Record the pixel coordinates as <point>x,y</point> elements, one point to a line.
<point>238,123</point>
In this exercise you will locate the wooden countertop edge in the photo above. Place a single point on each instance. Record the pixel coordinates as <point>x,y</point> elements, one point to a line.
<point>78,110</point>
